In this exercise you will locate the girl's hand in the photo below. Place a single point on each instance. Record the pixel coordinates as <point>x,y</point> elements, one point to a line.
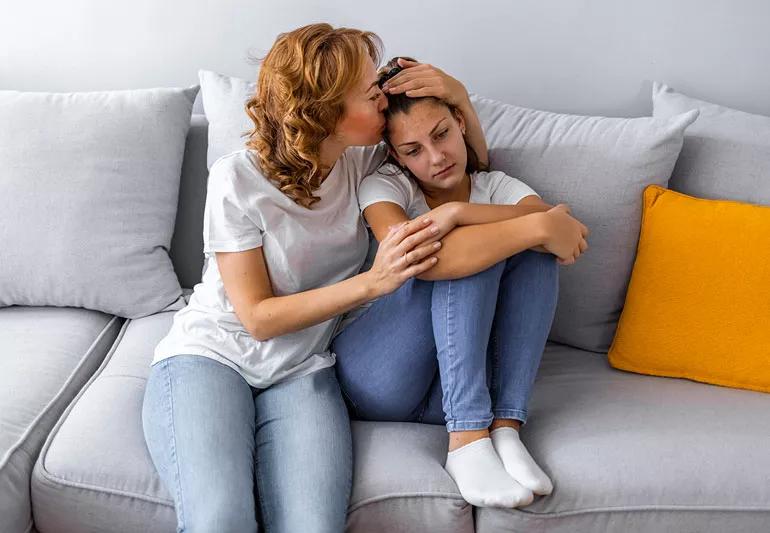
<point>565,236</point>
<point>445,217</point>
<point>405,252</point>
<point>422,79</point>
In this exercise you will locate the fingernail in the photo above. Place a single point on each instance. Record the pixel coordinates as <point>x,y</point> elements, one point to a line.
<point>426,221</point>
<point>437,244</point>
<point>434,229</point>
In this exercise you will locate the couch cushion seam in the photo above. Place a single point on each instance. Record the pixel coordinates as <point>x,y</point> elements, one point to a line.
<point>59,394</point>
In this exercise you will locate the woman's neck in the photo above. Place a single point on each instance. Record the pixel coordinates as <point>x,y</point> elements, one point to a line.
<point>460,193</point>
<point>331,150</point>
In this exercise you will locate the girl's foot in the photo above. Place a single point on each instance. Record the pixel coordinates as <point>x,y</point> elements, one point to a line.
<point>518,462</point>
<point>482,479</point>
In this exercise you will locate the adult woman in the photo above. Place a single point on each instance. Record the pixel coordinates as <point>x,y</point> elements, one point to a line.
<point>482,315</point>
<point>243,383</point>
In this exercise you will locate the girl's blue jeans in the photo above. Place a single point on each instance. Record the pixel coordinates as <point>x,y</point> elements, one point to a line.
<point>459,352</point>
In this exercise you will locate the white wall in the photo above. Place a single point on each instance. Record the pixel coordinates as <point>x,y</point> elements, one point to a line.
<point>584,56</point>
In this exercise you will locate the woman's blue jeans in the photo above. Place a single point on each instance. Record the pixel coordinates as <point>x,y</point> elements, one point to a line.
<point>457,352</point>
<point>210,435</point>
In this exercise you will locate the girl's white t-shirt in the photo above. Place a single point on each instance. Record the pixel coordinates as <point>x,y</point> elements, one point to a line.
<point>389,184</point>
<point>303,249</point>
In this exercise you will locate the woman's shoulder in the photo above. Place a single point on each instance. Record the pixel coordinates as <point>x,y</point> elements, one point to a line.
<point>239,168</point>
<point>364,160</point>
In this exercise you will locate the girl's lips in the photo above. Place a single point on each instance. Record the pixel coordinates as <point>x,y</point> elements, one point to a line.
<point>443,173</point>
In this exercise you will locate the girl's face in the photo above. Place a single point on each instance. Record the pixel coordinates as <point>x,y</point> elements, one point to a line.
<point>428,140</point>
<point>363,121</point>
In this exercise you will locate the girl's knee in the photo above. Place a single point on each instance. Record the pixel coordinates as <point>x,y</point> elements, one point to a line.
<point>544,263</point>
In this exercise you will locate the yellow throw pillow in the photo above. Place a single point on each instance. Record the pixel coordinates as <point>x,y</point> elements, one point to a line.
<point>698,303</point>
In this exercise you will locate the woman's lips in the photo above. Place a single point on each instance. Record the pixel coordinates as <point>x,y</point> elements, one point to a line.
<point>444,172</point>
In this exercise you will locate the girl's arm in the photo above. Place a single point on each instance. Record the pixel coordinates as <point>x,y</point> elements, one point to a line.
<point>468,213</point>
<point>264,315</point>
<point>465,250</point>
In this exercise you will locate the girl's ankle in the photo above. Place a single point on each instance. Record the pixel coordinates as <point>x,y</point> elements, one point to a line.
<point>458,439</point>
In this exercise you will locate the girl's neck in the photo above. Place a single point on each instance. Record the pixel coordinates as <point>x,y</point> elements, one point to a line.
<point>460,193</point>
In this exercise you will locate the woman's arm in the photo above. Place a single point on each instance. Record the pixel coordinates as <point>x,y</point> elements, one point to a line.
<point>264,315</point>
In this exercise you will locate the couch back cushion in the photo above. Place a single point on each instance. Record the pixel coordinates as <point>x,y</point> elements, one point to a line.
<point>599,166</point>
<point>726,152</point>
<point>89,196</point>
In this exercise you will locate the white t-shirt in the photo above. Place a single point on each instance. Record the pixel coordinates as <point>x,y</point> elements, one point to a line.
<point>389,184</point>
<point>303,249</point>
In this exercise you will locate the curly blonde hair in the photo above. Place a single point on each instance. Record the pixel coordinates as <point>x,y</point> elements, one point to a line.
<point>299,99</point>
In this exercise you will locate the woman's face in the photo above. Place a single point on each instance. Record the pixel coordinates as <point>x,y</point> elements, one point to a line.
<point>429,141</point>
<point>363,121</point>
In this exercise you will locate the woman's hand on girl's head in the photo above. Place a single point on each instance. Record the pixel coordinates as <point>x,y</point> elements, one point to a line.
<point>405,252</point>
<point>422,79</point>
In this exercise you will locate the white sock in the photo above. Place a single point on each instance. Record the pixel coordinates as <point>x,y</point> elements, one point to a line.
<point>517,461</point>
<point>481,478</point>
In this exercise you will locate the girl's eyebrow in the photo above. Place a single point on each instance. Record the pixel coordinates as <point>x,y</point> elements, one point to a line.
<point>431,132</point>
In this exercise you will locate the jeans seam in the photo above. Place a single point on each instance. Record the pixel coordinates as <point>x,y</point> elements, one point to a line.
<point>517,414</point>
<point>482,424</point>
<point>262,502</point>
<point>449,316</point>
<point>174,458</point>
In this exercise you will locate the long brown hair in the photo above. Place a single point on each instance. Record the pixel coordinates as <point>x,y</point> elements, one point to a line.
<point>299,99</point>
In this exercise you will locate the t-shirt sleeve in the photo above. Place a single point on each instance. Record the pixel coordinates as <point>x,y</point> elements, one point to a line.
<point>227,226</point>
<point>386,185</point>
<point>505,189</point>
<point>363,160</point>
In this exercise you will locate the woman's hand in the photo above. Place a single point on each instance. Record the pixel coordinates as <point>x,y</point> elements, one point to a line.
<point>565,236</point>
<point>405,252</point>
<point>422,79</point>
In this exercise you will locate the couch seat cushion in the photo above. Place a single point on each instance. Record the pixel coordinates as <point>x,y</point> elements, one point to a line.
<point>95,473</point>
<point>48,354</point>
<point>629,453</point>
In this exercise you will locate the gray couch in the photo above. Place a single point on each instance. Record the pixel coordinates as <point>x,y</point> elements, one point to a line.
<point>626,452</point>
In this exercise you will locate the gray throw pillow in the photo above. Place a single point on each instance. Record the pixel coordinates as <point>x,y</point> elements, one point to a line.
<point>599,166</point>
<point>88,198</point>
<point>224,99</point>
<point>726,152</point>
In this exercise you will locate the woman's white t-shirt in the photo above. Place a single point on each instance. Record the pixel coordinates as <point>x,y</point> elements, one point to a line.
<point>389,184</point>
<point>303,249</point>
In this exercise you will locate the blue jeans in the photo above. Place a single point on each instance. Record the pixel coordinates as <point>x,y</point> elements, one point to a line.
<point>210,434</point>
<point>457,352</point>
